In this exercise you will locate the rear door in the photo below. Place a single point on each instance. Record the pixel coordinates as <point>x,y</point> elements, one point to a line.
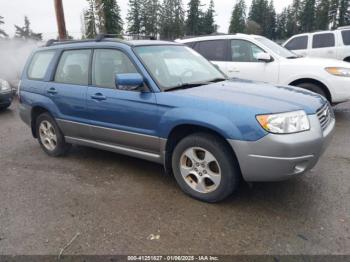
<point>323,45</point>
<point>215,51</point>
<point>68,91</point>
<point>120,117</point>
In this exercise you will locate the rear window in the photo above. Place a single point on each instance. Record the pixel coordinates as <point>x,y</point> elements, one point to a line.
<point>323,40</point>
<point>346,37</point>
<point>39,64</point>
<point>214,50</point>
<point>297,43</point>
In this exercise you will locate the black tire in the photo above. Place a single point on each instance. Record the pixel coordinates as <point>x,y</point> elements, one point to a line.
<point>314,88</point>
<point>230,172</point>
<point>61,147</point>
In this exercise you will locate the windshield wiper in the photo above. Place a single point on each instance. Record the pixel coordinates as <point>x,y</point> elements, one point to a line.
<point>185,86</point>
<point>191,85</point>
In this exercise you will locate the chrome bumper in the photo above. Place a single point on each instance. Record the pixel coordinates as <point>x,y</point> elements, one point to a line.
<point>279,157</point>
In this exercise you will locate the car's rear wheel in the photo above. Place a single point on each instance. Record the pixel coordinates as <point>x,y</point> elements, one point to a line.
<point>205,168</point>
<point>314,88</point>
<point>50,136</point>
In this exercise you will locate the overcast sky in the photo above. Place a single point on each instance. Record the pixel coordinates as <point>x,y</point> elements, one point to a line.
<point>42,16</point>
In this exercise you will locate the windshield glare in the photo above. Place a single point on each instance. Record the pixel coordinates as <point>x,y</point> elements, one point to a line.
<point>174,66</point>
<point>276,47</point>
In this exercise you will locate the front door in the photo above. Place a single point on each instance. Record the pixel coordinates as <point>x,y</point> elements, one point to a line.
<point>244,64</point>
<point>120,117</point>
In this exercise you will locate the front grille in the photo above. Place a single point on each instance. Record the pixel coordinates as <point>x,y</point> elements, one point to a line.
<point>325,115</point>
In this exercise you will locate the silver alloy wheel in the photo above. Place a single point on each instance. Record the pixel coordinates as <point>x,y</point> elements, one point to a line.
<point>200,169</point>
<point>47,135</point>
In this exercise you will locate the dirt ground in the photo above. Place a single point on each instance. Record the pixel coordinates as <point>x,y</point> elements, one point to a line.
<point>115,204</point>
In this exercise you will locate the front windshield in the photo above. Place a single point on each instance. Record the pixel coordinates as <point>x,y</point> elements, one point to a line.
<point>175,66</point>
<point>276,48</point>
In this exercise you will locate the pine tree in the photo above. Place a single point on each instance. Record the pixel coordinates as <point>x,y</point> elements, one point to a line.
<point>172,19</point>
<point>194,18</point>
<point>294,18</point>
<point>208,23</point>
<point>90,21</point>
<point>238,18</point>
<point>110,20</point>
<point>322,15</point>
<point>307,16</point>
<point>2,32</point>
<point>25,32</point>
<point>134,17</point>
<point>343,13</point>
<point>149,18</point>
<point>271,21</point>
<point>260,14</point>
<point>281,25</point>
<point>333,13</point>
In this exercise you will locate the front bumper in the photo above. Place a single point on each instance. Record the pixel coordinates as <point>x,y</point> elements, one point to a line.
<point>6,98</point>
<point>280,157</point>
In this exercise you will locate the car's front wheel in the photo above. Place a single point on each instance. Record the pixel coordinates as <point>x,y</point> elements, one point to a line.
<point>205,168</point>
<point>50,136</point>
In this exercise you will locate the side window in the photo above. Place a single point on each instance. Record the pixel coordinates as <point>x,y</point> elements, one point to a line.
<point>346,37</point>
<point>244,51</point>
<point>39,64</point>
<point>106,64</point>
<point>214,50</point>
<point>323,40</point>
<point>297,43</point>
<point>73,67</point>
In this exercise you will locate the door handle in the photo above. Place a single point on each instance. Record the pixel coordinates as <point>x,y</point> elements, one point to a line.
<point>233,70</point>
<point>98,97</point>
<point>52,91</point>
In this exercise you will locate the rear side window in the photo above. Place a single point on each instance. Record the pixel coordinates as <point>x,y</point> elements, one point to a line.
<point>297,43</point>
<point>346,37</point>
<point>215,50</point>
<point>39,64</point>
<point>73,67</point>
<point>323,40</point>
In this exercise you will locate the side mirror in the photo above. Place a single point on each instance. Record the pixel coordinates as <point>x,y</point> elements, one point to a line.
<point>129,82</point>
<point>264,57</point>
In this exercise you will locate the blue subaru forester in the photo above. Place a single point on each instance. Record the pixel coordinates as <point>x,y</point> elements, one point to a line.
<point>164,102</point>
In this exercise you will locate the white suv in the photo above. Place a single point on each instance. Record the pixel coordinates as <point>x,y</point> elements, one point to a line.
<point>257,58</point>
<point>328,44</point>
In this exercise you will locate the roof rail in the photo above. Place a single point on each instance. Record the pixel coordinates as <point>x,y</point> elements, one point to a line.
<point>100,37</point>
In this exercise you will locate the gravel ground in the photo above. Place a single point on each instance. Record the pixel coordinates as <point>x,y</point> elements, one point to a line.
<point>122,205</point>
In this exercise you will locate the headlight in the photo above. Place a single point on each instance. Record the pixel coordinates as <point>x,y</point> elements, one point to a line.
<point>339,71</point>
<point>4,86</point>
<point>285,123</point>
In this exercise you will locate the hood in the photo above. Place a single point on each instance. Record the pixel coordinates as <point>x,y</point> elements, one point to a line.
<point>265,98</point>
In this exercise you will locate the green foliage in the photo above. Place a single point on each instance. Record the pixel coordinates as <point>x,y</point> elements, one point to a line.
<point>343,18</point>
<point>208,25</point>
<point>172,19</point>
<point>150,12</point>
<point>307,16</point>
<point>238,18</point>
<point>26,32</point>
<point>263,13</point>
<point>322,14</point>
<point>194,18</point>
<point>90,21</point>
<point>134,17</point>
<point>110,20</point>
<point>2,32</point>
